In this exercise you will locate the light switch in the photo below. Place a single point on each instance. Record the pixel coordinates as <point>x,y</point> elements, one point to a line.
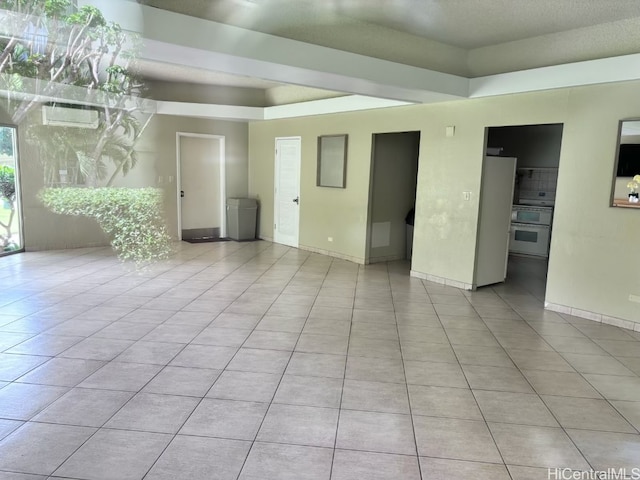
<point>466,196</point>
<point>450,131</point>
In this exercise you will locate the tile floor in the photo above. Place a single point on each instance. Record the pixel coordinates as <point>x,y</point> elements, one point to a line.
<point>255,361</point>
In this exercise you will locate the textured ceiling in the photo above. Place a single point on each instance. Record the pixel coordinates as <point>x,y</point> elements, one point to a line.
<point>467,24</point>
<point>462,37</point>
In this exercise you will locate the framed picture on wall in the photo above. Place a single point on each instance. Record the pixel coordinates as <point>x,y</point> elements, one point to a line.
<point>332,161</point>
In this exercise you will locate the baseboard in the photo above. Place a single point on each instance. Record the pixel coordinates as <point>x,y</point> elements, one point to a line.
<point>329,253</point>
<point>443,281</point>
<point>593,316</point>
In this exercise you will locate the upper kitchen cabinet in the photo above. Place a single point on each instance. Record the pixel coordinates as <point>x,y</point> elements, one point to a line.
<point>537,148</point>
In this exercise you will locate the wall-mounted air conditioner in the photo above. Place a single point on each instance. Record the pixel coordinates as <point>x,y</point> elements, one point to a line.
<point>70,116</point>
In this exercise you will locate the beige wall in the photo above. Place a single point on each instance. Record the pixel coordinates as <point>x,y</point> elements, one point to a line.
<point>324,212</point>
<point>594,249</point>
<point>593,264</point>
<point>44,230</point>
<point>160,139</point>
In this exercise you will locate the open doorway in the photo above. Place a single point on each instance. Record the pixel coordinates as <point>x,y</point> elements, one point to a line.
<point>392,195</point>
<point>10,209</point>
<point>537,150</point>
<point>201,186</point>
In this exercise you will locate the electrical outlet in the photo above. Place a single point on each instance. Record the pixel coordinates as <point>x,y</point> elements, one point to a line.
<point>330,239</point>
<point>634,298</point>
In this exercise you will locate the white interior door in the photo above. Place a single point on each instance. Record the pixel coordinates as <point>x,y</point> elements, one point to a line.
<point>201,184</point>
<point>496,198</point>
<point>287,191</point>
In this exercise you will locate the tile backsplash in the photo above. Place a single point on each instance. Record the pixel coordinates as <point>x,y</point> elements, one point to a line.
<point>531,181</point>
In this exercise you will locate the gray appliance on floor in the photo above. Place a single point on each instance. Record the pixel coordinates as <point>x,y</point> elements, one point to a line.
<point>241,218</point>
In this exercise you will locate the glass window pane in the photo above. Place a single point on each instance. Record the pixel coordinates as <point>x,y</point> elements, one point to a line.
<point>526,236</point>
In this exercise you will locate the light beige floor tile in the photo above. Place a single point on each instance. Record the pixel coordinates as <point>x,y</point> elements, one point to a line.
<point>375,369</point>
<point>204,356</point>
<point>479,355</point>
<point>455,439</point>
<point>518,408</point>
<point>130,377</point>
<point>536,446</point>
<point>382,310</point>
<point>443,402</point>
<point>428,352</point>
<point>222,337</point>
<point>503,379</point>
<point>20,401</point>
<point>616,388</point>
<point>268,461</point>
<point>200,458</point>
<point>62,372</point>
<point>310,391</point>
<point>536,360</point>
<point>442,469</point>
<point>353,465</point>
<point>40,448</point>
<point>375,396</point>
<point>317,365</point>
<point>604,365</point>
<point>434,373</point>
<point>13,367</point>
<point>560,383</point>
<point>148,412</point>
<point>329,344</point>
<point>299,425</point>
<point>229,419</point>
<point>376,432</point>
<point>608,450</point>
<point>587,413</point>
<point>272,340</point>
<point>261,361</point>
<point>247,386</point>
<point>84,407</point>
<point>115,454</point>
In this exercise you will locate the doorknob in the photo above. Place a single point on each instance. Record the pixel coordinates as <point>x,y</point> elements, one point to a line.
<point>296,200</point>
<point>181,193</point>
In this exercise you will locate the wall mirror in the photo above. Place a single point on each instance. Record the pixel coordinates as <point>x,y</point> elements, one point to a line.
<point>626,181</point>
<point>332,161</point>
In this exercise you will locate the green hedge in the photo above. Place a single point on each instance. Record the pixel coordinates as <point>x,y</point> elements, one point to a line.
<point>132,218</point>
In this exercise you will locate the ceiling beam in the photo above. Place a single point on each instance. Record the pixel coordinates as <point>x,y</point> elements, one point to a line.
<point>184,40</point>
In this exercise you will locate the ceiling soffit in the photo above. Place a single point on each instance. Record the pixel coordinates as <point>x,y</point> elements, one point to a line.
<point>467,38</point>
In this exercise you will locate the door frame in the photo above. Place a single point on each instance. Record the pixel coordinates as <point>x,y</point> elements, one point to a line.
<point>223,183</point>
<point>18,182</point>
<point>276,209</point>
